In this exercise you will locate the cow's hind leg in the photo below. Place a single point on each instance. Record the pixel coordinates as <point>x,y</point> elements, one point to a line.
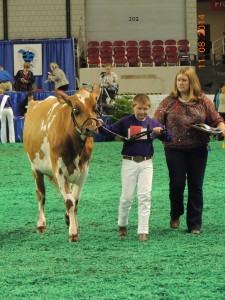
<point>40,191</point>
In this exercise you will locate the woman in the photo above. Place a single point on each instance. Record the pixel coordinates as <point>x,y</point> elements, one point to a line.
<point>186,155</point>
<point>24,79</point>
<point>6,115</point>
<point>24,104</point>
<point>58,77</point>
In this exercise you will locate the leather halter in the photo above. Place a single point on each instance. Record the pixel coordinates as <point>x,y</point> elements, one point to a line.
<point>80,128</point>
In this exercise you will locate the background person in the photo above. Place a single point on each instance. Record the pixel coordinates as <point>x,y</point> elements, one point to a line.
<point>58,77</point>
<point>6,80</point>
<point>219,100</point>
<point>137,166</point>
<point>186,155</point>
<point>24,79</point>
<point>24,104</point>
<point>6,114</point>
<point>109,81</point>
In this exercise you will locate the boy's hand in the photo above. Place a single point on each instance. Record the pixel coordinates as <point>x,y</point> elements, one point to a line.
<point>157,130</point>
<point>99,122</point>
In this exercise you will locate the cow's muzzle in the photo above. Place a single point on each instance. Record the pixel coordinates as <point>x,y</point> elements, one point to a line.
<point>89,127</point>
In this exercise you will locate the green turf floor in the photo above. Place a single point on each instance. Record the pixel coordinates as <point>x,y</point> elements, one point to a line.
<point>172,265</point>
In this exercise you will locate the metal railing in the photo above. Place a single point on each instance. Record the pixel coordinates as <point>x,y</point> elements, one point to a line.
<point>218,48</point>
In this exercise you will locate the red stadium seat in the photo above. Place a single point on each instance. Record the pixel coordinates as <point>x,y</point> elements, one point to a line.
<point>171,49</point>
<point>146,61</point>
<point>133,58</point>
<point>170,42</point>
<point>157,42</point>
<point>106,44</point>
<point>93,62</point>
<point>120,59</point>
<point>144,43</point>
<point>119,43</point>
<point>131,43</point>
<point>158,55</point>
<point>119,49</point>
<point>132,48</point>
<point>93,44</point>
<point>172,58</point>
<point>158,49</point>
<point>159,61</point>
<point>145,49</point>
<point>106,50</point>
<point>106,55</point>
<point>107,60</point>
<point>183,42</point>
<point>93,51</point>
<point>145,56</point>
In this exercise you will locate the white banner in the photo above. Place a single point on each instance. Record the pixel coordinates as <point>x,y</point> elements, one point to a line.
<point>30,53</point>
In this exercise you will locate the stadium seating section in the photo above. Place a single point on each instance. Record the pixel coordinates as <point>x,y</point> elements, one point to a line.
<point>142,53</point>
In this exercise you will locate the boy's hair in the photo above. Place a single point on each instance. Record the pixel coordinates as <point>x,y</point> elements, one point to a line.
<point>141,99</point>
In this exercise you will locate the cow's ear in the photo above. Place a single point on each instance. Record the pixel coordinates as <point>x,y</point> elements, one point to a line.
<point>96,89</point>
<point>62,97</point>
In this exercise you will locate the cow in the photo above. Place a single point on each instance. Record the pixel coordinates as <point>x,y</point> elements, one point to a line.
<point>58,139</point>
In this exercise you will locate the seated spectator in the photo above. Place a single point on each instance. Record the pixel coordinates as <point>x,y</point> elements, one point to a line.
<point>109,83</point>
<point>24,79</point>
<point>6,80</point>
<point>24,104</point>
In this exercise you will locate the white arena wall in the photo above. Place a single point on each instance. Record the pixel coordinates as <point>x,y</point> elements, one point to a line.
<point>150,80</point>
<point>157,82</point>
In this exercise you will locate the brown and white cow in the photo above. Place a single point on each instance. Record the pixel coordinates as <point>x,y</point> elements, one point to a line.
<point>58,138</point>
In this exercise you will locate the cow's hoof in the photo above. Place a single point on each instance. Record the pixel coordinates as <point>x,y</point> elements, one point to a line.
<point>67,220</point>
<point>74,238</point>
<point>41,229</point>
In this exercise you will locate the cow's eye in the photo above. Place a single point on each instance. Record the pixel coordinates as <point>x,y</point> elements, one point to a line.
<point>76,111</point>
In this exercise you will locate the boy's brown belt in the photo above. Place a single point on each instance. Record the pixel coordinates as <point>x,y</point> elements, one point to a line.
<point>137,158</point>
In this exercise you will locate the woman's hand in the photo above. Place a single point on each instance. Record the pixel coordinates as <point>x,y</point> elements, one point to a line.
<point>221,127</point>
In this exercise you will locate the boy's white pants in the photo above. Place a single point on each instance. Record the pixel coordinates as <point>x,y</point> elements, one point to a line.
<point>136,175</point>
<point>7,114</point>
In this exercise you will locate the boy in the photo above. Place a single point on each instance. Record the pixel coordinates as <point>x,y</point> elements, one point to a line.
<point>137,166</point>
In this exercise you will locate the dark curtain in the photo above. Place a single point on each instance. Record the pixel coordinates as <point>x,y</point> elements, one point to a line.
<point>60,51</point>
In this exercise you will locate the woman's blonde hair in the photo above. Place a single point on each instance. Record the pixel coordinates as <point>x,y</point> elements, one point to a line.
<point>54,65</point>
<point>1,91</point>
<point>194,84</point>
<point>26,65</point>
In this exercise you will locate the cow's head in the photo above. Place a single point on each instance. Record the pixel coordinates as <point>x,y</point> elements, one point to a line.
<point>83,109</point>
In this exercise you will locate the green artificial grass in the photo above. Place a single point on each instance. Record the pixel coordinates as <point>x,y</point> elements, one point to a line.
<point>172,265</point>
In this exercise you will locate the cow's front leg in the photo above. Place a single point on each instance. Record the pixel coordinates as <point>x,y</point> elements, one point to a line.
<point>65,189</point>
<point>71,210</point>
<point>40,191</point>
